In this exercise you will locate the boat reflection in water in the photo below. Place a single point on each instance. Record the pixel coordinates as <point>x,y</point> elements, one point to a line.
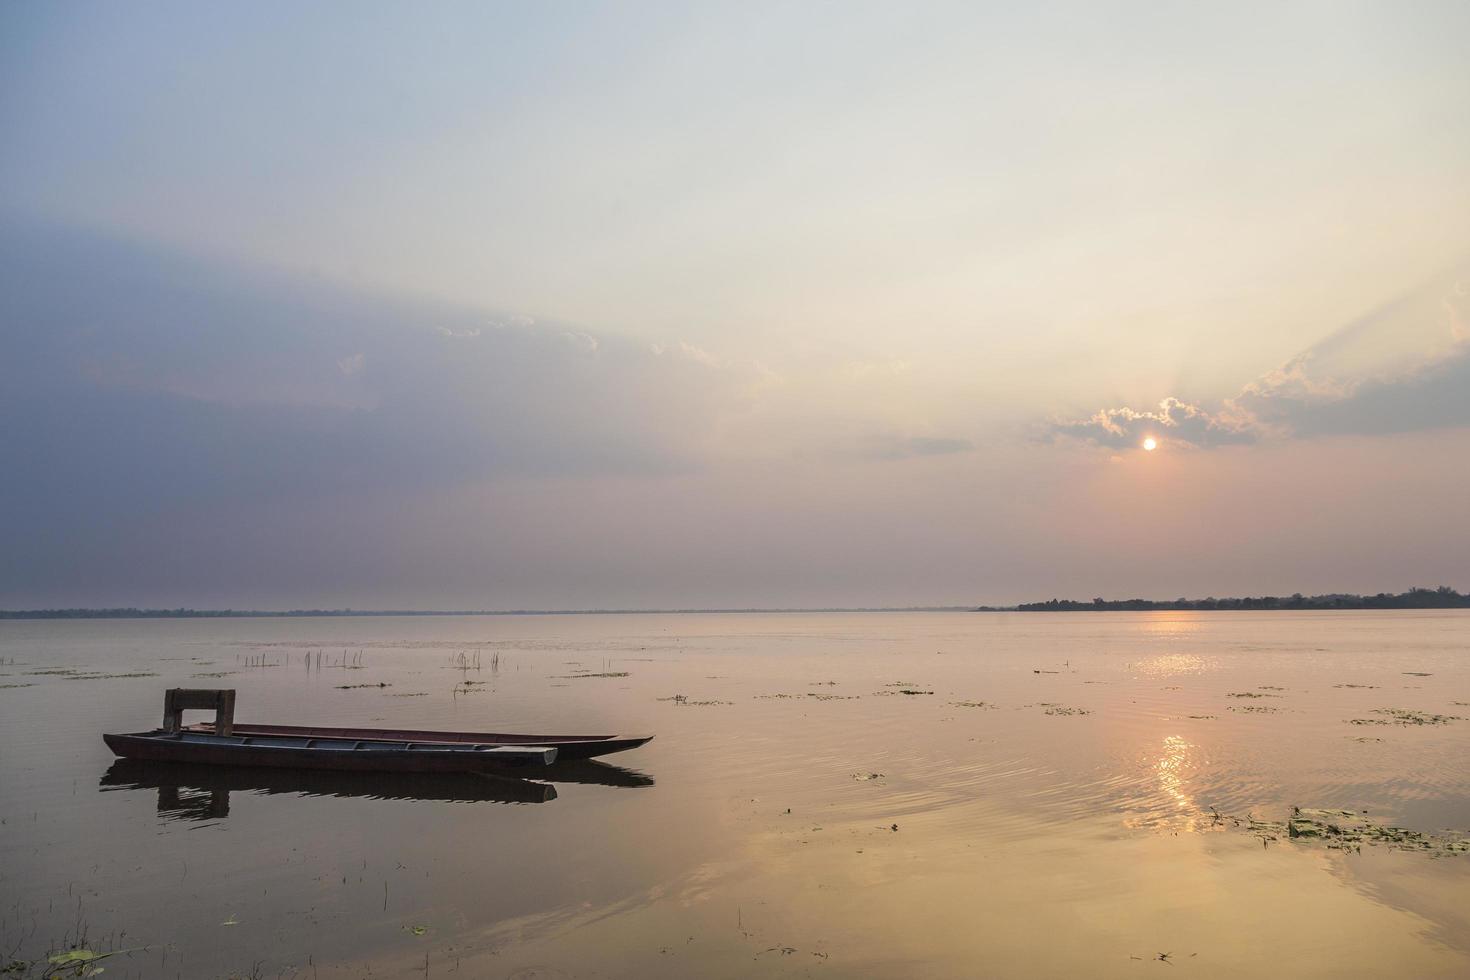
<point>202,792</point>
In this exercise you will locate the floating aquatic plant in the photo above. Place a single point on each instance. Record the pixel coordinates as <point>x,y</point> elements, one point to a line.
<point>1405,716</point>
<point>1346,830</point>
<point>78,962</point>
<point>107,677</point>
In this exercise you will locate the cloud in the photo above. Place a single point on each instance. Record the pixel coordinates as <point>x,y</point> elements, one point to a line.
<point>868,370</point>
<point>136,379</point>
<point>688,352</point>
<point>1434,395</point>
<point>850,442</point>
<point>1306,397</point>
<point>586,343</point>
<point>1173,420</point>
<point>908,447</point>
<point>172,425</point>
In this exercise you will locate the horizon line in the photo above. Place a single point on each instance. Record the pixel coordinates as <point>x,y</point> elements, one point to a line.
<point>1232,604</point>
<point>133,612</point>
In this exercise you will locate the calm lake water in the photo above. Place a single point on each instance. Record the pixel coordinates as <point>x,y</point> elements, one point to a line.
<point>900,795</point>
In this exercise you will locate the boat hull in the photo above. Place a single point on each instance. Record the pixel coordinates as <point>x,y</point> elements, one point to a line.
<point>568,747</point>
<point>342,755</point>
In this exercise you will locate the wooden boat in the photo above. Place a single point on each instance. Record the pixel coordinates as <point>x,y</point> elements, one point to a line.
<point>349,749</point>
<point>347,754</point>
<point>568,747</point>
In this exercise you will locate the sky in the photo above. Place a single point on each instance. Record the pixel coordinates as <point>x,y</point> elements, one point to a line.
<point>553,306</point>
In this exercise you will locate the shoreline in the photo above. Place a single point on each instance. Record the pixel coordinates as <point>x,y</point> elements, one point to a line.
<point>1414,599</point>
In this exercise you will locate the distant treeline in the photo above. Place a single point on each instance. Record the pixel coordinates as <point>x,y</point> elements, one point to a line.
<point>1443,597</point>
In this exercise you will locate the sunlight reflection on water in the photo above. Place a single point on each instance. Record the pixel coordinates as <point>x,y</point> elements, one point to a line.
<point>1172,664</point>
<point>1173,768</point>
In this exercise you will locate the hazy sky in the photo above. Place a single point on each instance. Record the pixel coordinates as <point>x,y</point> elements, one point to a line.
<point>611,305</point>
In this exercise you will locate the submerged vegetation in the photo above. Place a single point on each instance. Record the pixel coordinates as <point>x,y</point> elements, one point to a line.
<point>1404,716</point>
<point>83,674</point>
<point>1063,710</point>
<point>1346,830</point>
<point>685,701</point>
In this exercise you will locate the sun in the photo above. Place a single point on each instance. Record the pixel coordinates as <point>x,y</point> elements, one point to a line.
<point>1150,444</point>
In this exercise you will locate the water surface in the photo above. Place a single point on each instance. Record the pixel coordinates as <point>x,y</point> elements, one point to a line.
<point>944,795</point>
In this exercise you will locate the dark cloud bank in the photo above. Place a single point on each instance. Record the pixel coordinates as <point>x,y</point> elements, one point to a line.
<point>158,374</point>
<point>182,429</point>
<point>134,380</point>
